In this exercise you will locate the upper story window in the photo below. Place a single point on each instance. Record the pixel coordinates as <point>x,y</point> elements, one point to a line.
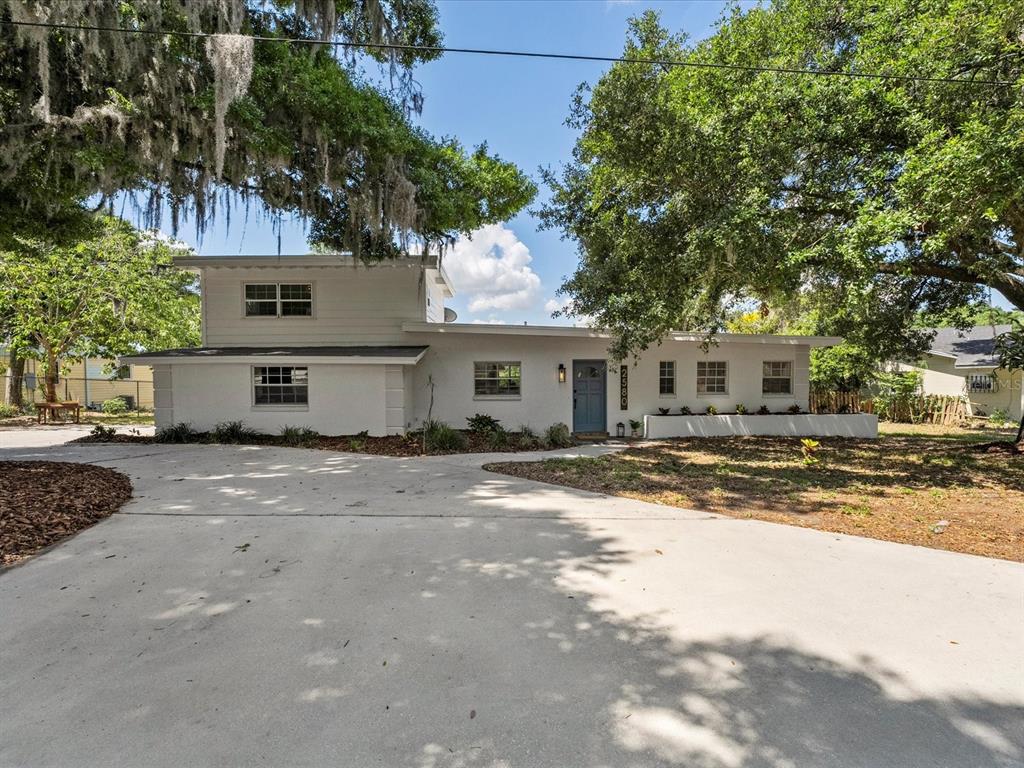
<point>497,379</point>
<point>667,377</point>
<point>981,382</point>
<point>712,378</point>
<point>278,299</point>
<point>777,377</point>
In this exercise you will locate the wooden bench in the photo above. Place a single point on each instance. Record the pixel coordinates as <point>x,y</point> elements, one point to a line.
<point>56,411</point>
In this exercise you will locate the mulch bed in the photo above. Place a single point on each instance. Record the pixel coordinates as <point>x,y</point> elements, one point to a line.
<point>392,445</point>
<point>42,502</point>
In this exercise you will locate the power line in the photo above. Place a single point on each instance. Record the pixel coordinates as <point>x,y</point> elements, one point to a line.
<point>533,55</point>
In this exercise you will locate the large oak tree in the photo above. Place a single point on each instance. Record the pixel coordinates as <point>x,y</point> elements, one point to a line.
<point>693,189</point>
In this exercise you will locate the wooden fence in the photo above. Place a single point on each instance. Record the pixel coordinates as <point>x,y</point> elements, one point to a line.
<point>927,409</point>
<point>830,401</point>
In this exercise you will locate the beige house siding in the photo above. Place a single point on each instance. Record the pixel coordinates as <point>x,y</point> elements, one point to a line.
<point>98,385</point>
<point>351,305</point>
<point>940,376</point>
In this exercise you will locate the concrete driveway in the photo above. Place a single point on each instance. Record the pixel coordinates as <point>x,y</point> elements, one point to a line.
<point>276,607</point>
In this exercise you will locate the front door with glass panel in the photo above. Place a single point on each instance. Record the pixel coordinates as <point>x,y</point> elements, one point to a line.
<point>589,410</point>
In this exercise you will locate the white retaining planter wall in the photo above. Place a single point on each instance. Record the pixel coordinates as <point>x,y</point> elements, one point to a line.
<point>795,425</point>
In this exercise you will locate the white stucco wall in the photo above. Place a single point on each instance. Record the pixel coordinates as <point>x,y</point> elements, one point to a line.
<point>343,399</point>
<point>795,425</point>
<point>544,401</point>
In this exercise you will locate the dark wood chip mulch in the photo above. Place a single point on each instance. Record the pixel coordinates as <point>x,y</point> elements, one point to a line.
<point>42,502</point>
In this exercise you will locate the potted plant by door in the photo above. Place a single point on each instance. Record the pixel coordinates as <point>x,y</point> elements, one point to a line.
<point>635,425</point>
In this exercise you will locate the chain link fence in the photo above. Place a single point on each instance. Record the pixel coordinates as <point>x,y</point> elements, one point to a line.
<point>91,392</point>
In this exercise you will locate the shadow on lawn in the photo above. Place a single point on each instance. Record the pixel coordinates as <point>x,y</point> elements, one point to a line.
<point>768,473</point>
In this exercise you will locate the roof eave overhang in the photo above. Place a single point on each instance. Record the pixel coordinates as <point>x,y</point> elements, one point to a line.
<point>594,333</point>
<point>298,359</point>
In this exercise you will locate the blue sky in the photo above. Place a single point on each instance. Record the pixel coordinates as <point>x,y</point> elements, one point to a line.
<point>517,106</point>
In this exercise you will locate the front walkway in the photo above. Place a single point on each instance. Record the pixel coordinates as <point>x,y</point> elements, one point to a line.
<point>281,607</point>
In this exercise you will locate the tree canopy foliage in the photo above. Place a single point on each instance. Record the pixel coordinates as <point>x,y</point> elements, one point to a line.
<point>111,292</point>
<point>694,189</point>
<point>191,122</point>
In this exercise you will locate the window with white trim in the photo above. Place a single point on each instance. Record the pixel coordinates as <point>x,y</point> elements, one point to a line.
<point>667,377</point>
<point>777,377</point>
<point>497,378</point>
<point>280,385</point>
<point>278,299</point>
<point>981,382</point>
<point>712,377</point>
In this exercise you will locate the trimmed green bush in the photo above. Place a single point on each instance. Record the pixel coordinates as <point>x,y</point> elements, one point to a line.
<point>8,411</point>
<point>558,436</point>
<point>300,437</point>
<point>527,439</point>
<point>233,432</point>
<point>999,417</point>
<point>181,432</point>
<point>115,406</point>
<point>481,422</point>
<point>498,439</point>
<point>440,438</point>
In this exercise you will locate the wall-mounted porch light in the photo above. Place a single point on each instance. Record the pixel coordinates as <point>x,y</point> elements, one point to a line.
<point>561,373</point>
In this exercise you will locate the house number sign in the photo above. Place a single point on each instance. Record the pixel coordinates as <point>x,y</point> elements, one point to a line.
<point>623,387</point>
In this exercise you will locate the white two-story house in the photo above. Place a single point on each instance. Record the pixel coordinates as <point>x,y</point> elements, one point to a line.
<point>328,342</point>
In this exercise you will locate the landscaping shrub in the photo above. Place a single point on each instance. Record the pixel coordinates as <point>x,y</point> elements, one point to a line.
<point>999,417</point>
<point>232,432</point>
<point>300,437</point>
<point>104,432</point>
<point>115,406</point>
<point>498,439</point>
<point>741,409</point>
<point>763,411</point>
<point>685,411</point>
<point>794,408</point>
<point>527,439</point>
<point>898,394</point>
<point>7,411</point>
<point>440,438</point>
<point>176,433</point>
<point>481,423</point>
<point>712,411</point>
<point>663,411</point>
<point>558,436</point>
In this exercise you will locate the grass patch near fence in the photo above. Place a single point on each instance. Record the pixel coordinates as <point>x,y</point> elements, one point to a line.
<point>933,489</point>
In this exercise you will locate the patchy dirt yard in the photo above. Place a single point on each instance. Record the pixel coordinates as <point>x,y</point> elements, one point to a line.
<point>917,486</point>
<point>42,502</point>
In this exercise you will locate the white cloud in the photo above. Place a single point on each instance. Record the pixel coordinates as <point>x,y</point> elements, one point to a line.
<point>555,305</point>
<point>493,269</point>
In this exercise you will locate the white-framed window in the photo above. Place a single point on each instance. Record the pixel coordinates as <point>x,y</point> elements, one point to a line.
<point>712,377</point>
<point>667,377</point>
<point>497,378</point>
<point>280,385</point>
<point>777,377</point>
<point>984,383</point>
<point>278,299</point>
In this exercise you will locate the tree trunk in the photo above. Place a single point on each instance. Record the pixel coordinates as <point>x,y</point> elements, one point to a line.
<point>15,380</point>
<point>52,377</point>
<point>1020,430</point>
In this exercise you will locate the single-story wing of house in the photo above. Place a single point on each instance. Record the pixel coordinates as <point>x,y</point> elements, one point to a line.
<point>963,363</point>
<point>344,347</point>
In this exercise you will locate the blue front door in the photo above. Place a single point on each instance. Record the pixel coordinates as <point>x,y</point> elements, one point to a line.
<point>588,401</point>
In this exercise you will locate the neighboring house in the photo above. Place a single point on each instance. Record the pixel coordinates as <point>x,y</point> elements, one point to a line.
<point>92,381</point>
<point>342,347</point>
<point>964,363</point>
